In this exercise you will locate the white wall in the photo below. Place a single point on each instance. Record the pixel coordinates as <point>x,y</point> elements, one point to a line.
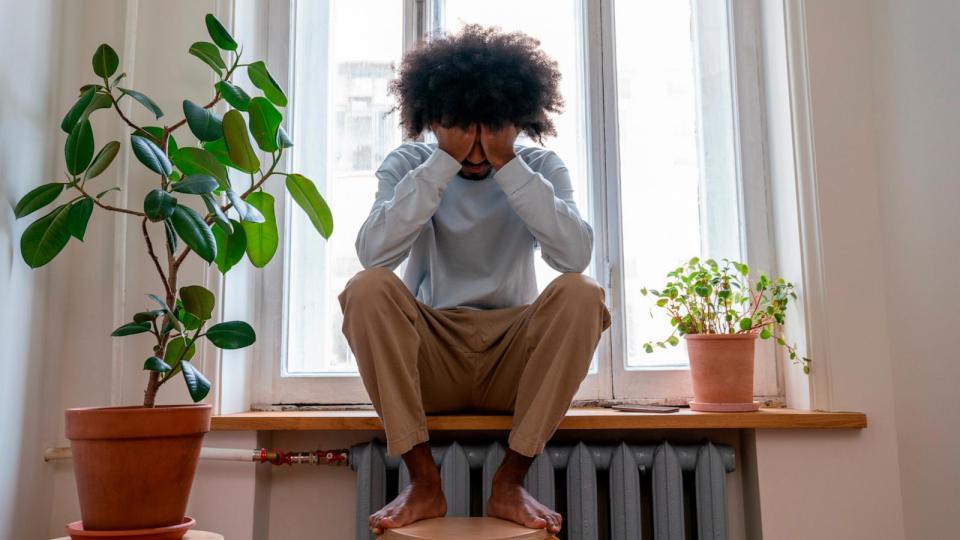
<point>28,66</point>
<point>917,82</point>
<point>830,485</point>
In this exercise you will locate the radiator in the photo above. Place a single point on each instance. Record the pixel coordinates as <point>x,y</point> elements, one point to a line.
<point>616,492</point>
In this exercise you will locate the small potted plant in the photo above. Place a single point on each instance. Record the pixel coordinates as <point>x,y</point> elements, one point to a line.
<point>134,465</point>
<point>720,313</point>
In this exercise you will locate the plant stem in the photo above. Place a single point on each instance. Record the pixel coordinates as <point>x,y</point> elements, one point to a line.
<point>107,206</point>
<point>153,256</point>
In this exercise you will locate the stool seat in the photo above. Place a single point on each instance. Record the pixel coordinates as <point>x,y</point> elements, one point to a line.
<point>483,528</point>
<point>191,535</point>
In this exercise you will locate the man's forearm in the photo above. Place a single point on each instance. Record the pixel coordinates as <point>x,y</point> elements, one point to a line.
<point>391,228</point>
<point>566,240</point>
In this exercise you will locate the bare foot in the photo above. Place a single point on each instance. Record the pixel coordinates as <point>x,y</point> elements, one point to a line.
<point>509,501</point>
<point>421,500</point>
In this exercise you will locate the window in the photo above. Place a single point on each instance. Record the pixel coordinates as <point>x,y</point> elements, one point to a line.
<point>655,101</point>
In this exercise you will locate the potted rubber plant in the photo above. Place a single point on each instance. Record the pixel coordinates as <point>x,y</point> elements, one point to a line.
<point>134,465</point>
<point>720,312</point>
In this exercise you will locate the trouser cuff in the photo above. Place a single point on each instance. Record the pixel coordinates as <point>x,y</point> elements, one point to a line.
<point>402,444</point>
<point>525,446</point>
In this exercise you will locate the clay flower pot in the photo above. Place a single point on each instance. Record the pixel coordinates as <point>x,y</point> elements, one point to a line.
<point>721,366</point>
<point>134,466</point>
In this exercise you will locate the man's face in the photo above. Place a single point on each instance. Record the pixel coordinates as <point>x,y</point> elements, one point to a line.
<point>475,166</point>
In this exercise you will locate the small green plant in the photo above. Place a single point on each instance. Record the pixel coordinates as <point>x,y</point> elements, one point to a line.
<point>706,297</point>
<point>198,173</point>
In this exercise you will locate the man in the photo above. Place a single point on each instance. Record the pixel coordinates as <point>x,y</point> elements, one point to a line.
<point>465,328</point>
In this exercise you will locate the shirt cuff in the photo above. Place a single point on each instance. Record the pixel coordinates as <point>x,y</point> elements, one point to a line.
<point>439,168</point>
<point>514,175</point>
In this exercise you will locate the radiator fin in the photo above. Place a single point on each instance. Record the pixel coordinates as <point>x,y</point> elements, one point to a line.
<point>625,499</point>
<point>711,494</point>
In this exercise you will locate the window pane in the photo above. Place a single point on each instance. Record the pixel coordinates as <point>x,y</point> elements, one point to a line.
<point>678,181</point>
<point>342,131</point>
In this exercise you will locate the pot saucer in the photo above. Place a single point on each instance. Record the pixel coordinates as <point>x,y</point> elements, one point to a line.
<point>724,407</point>
<point>172,532</point>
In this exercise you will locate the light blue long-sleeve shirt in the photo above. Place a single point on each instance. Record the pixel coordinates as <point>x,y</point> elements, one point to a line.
<point>471,243</point>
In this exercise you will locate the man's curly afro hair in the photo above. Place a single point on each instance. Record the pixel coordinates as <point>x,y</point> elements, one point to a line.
<point>479,75</point>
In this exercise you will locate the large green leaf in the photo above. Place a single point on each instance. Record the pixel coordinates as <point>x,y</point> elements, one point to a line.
<point>46,237</point>
<point>176,351</point>
<point>103,160</point>
<point>147,316</point>
<point>213,208</point>
<point>210,54</point>
<point>264,121</point>
<point>218,149</point>
<point>79,217</point>
<point>170,235</point>
<point>195,232</point>
<point>151,155</point>
<point>78,150</point>
<point>37,198</point>
<point>205,125</point>
<point>90,100</point>
<point>198,300</point>
<point>231,335</point>
<point>244,210</point>
<point>131,328</point>
<point>159,205</point>
<point>105,61</point>
<point>305,193</point>
<point>233,94</point>
<point>155,364</point>
<point>261,78</point>
<point>219,34</point>
<point>239,149</point>
<point>199,161</point>
<point>230,246</point>
<point>262,238</point>
<point>196,184</point>
<point>143,100</point>
<point>76,112</point>
<point>197,384</point>
<point>283,140</point>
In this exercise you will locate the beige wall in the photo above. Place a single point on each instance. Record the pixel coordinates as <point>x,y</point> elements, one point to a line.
<point>883,90</point>
<point>917,89</point>
<point>27,125</point>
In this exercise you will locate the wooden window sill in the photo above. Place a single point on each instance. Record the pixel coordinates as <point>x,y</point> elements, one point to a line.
<point>579,418</point>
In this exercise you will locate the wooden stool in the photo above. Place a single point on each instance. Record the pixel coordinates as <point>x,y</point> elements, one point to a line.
<point>484,528</point>
<point>191,535</point>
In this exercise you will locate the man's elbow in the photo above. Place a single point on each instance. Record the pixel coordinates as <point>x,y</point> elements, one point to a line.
<point>576,261</point>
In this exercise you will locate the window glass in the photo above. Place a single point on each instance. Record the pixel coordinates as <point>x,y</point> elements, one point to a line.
<point>677,181</point>
<point>343,129</point>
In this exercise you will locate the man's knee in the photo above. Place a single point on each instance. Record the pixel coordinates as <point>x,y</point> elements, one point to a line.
<point>369,287</point>
<point>580,288</point>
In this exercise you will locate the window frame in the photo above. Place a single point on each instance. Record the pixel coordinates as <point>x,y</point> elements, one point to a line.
<point>612,381</point>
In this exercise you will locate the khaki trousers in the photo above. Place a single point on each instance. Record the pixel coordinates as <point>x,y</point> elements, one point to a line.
<point>528,359</point>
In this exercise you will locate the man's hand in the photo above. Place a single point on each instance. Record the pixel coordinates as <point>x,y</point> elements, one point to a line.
<point>456,141</point>
<point>498,144</point>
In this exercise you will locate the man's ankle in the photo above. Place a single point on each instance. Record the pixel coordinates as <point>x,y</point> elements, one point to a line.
<point>420,464</point>
<point>513,469</point>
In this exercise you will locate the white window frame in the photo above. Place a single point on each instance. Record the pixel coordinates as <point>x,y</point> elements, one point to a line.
<point>612,381</point>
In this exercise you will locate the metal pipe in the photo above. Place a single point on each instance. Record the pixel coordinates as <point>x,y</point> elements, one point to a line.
<point>337,457</point>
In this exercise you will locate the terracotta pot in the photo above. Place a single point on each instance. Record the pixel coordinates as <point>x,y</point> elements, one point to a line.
<point>134,466</point>
<point>721,366</point>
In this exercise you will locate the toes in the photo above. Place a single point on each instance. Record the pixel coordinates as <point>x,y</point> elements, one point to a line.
<point>535,523</point>
<point>389,522</point>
